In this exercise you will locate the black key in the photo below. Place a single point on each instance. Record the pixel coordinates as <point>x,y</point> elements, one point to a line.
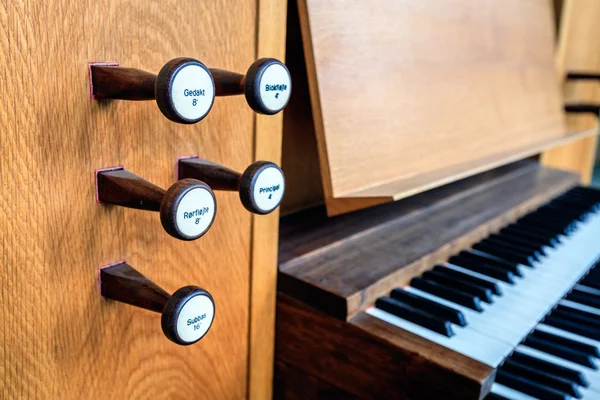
<point>570,326</point>
<point>577,210</point>
<point>494,396</point>
<point>585,348</point>
<point>587,191</point>
<point>455,296</point>
<point>591,281</point>
<point>567,212</point>
<point>563,352</point>
<point>584,298</point>
<point>494,287</point>
<point>579,198</point>
<point>542,378</point>
<point>513,247</point>
<point>550,368</point>
<point>594,318</point>
<point>530,240</point>
<point>492,272</point>
<point>571,203</point>
<point>595,272</point>
<point>529,387</point>
<point>544,223</point>
<point>594,275</point>
<point>509,255</point>
<point>491,260</point>
<point>523,243</point>
<point>439,310</point>
<point>415,316</point>
<point>565,226</point>
<point>519,231</point>
<point>577,316</point>
<point>555,216</point>
<point>453,283</point>
<point>549,233</point>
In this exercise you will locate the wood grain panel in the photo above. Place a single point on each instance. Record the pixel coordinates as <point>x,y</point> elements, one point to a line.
<point>342,265</point>
<point>402,89</point>
<point>577,50</point>
<point>60,339</point>
<point>291,383</point>
<point>265,228</point>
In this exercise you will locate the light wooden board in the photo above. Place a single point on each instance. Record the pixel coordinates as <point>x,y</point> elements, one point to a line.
<point>60,340</point>
<point>402,89</point>
<point>300,158</point>
<point>265,238</point>
<point>578,50</point>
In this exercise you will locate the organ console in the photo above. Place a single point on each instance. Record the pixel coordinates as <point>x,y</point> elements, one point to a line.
<point>261,186</point>
<point>187,314</point>
<point>187,209</point>
<point>484,289</point>
<point>467,284</point>
<point>267,85</point>
<point>425,251</point>
<point>184,89</point>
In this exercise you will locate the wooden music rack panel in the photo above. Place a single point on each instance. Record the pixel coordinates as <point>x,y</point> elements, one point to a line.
<point>407,96</point>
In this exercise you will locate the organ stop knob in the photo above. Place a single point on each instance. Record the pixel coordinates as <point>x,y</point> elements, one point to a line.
<point>187,314</point>
<point>184,89</point>
<point>187,209</point>
<point>260,186</point>
<point>267,85</point>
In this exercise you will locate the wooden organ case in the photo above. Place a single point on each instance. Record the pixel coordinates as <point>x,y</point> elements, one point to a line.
<point>59,338</point>
<point>425,252</point>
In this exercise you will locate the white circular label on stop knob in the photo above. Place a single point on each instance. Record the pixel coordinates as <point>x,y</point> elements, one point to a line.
<point>195,212</point>
<point>268,188</point>
<point>192,92</point>
<point>195,318</point>
<point>275,87</point>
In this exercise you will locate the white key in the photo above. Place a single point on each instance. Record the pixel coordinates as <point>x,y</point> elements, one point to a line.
<point>568,335</point>
<point>521,298</point>
<point>591,375</point>
<point>579,306</point>
<point>491,335</point>
<point>489,325</point>
<point>587,289</point>
<point>471,344</point>
<point>509,393</point>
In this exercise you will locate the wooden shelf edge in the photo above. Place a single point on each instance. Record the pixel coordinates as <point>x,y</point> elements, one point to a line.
<point>406,187</point>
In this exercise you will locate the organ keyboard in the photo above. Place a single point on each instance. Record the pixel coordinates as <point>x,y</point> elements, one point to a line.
<point>531,264</point>
<point>508,308</point>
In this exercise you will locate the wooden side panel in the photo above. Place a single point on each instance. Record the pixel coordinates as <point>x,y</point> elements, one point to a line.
<point>265,228</point>
<point>59,338</point>
<point>578,51</point>
<point>404,89</point>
